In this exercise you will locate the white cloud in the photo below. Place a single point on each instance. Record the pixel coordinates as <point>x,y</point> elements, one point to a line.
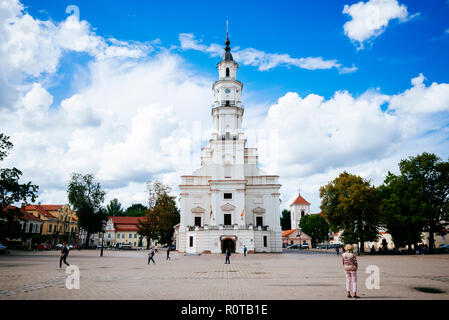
<point>370,19</point>
<point>319,138</point>
<point>131,120</point>
<point>260,59</point>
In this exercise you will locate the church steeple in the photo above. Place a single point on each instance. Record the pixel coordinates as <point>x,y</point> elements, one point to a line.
<point>227,110</point>
<point>227,56</point>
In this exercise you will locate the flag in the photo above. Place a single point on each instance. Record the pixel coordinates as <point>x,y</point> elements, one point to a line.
<point>242,213</point>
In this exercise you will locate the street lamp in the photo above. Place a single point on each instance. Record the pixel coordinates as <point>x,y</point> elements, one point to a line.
<point>103,227</point>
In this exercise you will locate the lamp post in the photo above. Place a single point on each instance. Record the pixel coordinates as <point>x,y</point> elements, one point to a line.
<point>103,227</point>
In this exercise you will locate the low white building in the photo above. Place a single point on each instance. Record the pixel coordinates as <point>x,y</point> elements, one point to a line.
<point>229,201</point>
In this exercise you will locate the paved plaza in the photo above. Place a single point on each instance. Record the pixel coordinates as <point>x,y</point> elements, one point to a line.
<point>290,275</point>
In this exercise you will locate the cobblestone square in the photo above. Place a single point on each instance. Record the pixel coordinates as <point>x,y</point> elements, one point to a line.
<point>290,275</point>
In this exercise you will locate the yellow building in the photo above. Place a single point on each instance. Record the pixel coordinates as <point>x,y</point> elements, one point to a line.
<point>60,221</point>
<point>123,231</point>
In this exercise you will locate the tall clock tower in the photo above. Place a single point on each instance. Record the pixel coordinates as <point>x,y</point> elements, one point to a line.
<point>228,202</point>
<point>227,110</point>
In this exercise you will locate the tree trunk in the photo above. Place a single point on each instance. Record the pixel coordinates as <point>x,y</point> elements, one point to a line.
<point>88,239</point>
<point>362,245</point>
<point>431,241</point>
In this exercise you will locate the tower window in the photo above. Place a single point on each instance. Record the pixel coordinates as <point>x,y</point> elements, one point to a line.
<point>227,196</point>
<point>302,213</point>
<point>227,72</point>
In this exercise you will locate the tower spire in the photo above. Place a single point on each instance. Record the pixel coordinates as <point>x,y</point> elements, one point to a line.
<point>227,42</point>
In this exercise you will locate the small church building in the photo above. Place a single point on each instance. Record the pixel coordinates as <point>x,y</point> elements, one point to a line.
<point>298,209</point>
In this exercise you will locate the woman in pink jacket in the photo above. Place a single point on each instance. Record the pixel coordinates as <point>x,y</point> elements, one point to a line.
<point>350,265</point>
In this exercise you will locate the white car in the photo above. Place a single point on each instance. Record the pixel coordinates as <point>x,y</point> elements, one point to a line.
<point>59,246</point>
<point>305,245</point>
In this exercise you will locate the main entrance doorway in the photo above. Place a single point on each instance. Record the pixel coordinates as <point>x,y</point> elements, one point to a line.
<point>228,243</point>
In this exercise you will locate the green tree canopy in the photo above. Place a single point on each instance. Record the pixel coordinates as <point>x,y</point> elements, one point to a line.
<point>86,197</point>
<point>162,214</point>
<point>136,210</point>
<point>351,204</point>
<point>12,191</point>
<point>114,208</point>
<point>401,211</point>
<point>316,227</point>
<point>286,223</point>
<point>429,176</point>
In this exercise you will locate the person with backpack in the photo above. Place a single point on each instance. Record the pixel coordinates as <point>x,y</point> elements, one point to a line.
<point>151,255</point>
<point>64,255</point>
<point>228,255</point>
<point>168,253</point>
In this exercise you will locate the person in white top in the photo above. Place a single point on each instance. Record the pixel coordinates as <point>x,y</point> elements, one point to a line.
<point>350,265</point>
<point>150,255</point>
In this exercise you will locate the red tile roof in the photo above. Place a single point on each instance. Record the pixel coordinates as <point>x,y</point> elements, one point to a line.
<point>126,223</point>
<point>40,209</point>
<point>25,215</point>
<point>51,207</point>
<point>287,232</point>
<point>300,200</point>
<point>320,213</point>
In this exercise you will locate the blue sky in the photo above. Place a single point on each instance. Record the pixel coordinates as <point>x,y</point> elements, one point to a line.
<point>298,28</point>
<point>328,86</point>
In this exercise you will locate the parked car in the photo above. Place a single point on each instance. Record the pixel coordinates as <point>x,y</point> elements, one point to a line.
<point>125,246</point>
<point>293,246</point>
<point>3,249</point>
<point>59,246</point>
<point>76,246</point>
<point>443,248</point>
<point>305,245</point>
<point>70,246</point>
<point>43,246</point>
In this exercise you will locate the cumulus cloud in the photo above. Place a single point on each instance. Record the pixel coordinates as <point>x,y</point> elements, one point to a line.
<point>318,138</point>
<point>260,59</point>
<point>135,117</point>
<point>370,19</point>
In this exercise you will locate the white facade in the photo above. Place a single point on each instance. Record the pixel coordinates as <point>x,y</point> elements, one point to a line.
<point>298,209</point>
<point>229,202</point>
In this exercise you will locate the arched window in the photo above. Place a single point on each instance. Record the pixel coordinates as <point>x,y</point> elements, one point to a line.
<point>227,72</point>
<point>302,213</point>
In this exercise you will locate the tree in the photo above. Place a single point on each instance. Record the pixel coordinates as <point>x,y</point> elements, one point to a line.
<point>12,191</point>
<point>429,176</point>
<point>401,211</point>
<point>136,210</point>
<point>86,197</point>
<point>316,227</point>
<point>162,214</point>
<point>351,204</point>
<point>155,190</point>
<point>286,223</point>
<point>148,226</point>
<point>114,208</point>
<point>165,208</point>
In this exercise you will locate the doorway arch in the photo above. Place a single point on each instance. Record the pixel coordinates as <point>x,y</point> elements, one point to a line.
<point>228,242</point>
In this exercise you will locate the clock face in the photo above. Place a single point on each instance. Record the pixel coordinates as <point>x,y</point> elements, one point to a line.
<point>227,90</point>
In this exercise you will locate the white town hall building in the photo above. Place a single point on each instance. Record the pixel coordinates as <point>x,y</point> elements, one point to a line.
<point>229,201</point>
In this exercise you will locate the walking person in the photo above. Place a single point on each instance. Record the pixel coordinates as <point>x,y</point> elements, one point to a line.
<point>244,250</point>
<point>64,255</point>
<point>337,248</point>
<point>151,255</point>
<point>168,253</point>
<point>228,255</point>
<point>350,265</point>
